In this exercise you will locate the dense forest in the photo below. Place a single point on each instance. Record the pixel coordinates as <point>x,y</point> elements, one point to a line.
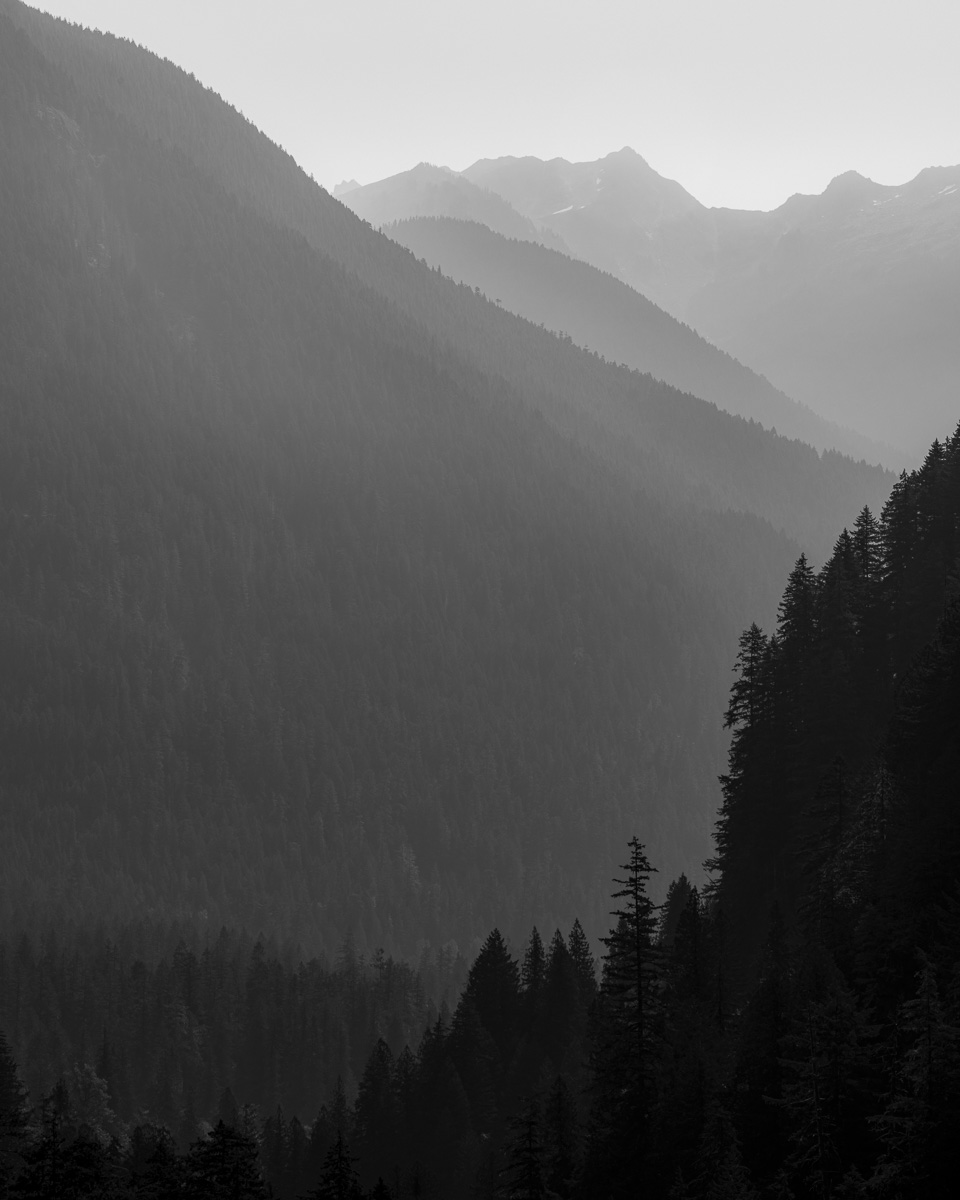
<point>330,610</point>
<point>790,1030</point>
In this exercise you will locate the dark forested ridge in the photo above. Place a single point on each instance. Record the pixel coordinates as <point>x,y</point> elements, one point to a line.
<point>318,617</point>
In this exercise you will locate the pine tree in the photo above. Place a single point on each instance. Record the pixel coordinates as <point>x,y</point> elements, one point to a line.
<point>224,1166</point>
<point>676,901</point>
<point>584,964</point>
<point>626,1034</point>
<point>563,1017</point>
<point>533,971</point>
<point>493,985</point>
<point>338,1176</point>
<point>524,1176</point>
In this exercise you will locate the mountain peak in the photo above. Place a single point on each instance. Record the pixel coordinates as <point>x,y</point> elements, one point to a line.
<point>627,155</point>
<point>849,183</point>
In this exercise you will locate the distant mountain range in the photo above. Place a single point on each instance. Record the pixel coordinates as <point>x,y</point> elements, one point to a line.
<point>848,302</point>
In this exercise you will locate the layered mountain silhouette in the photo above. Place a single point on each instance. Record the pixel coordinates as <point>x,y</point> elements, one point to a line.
<point>847,301</point>
<point>598,311</point>
<point>438,191</point>
<point>335,599</point>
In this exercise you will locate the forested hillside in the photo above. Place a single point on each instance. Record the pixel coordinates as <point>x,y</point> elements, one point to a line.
<point>308,624</point>
<point>790,1030</point>
<point>597,310</point>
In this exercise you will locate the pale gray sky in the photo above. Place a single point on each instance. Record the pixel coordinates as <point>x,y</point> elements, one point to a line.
<point>743,101</point>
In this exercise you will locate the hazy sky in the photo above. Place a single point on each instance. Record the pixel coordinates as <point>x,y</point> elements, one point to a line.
<point>743,101</point>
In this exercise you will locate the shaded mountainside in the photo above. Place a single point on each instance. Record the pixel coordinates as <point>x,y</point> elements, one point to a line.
<point>309,624</point>
<point>598,311</point>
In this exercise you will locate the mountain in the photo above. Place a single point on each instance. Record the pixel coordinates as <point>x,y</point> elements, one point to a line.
<point>598,311</point>
<point>609,213</point>
<point>335,600</point>
<point>438,191</point>
<point>848,301</point>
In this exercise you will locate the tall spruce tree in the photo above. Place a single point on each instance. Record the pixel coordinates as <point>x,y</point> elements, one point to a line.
<point>626,1034</point>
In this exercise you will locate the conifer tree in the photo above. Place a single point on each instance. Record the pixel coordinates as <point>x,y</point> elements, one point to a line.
<point>224,1166</point>
<point>493,987</point>
<point>524,1175</point>
<point>676,901</point>
<point>563,1015</point>
<point>338,1176</point>
<point>533,970</point>
<point>584,964</point>
<point>626,1034</point>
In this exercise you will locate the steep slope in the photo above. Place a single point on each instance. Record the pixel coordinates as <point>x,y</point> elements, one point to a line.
<point>598,311</point>
<point>653,437</point>
<point>307,622</point>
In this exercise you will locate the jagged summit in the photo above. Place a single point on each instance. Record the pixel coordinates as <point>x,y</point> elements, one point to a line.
<point>848,181</point>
